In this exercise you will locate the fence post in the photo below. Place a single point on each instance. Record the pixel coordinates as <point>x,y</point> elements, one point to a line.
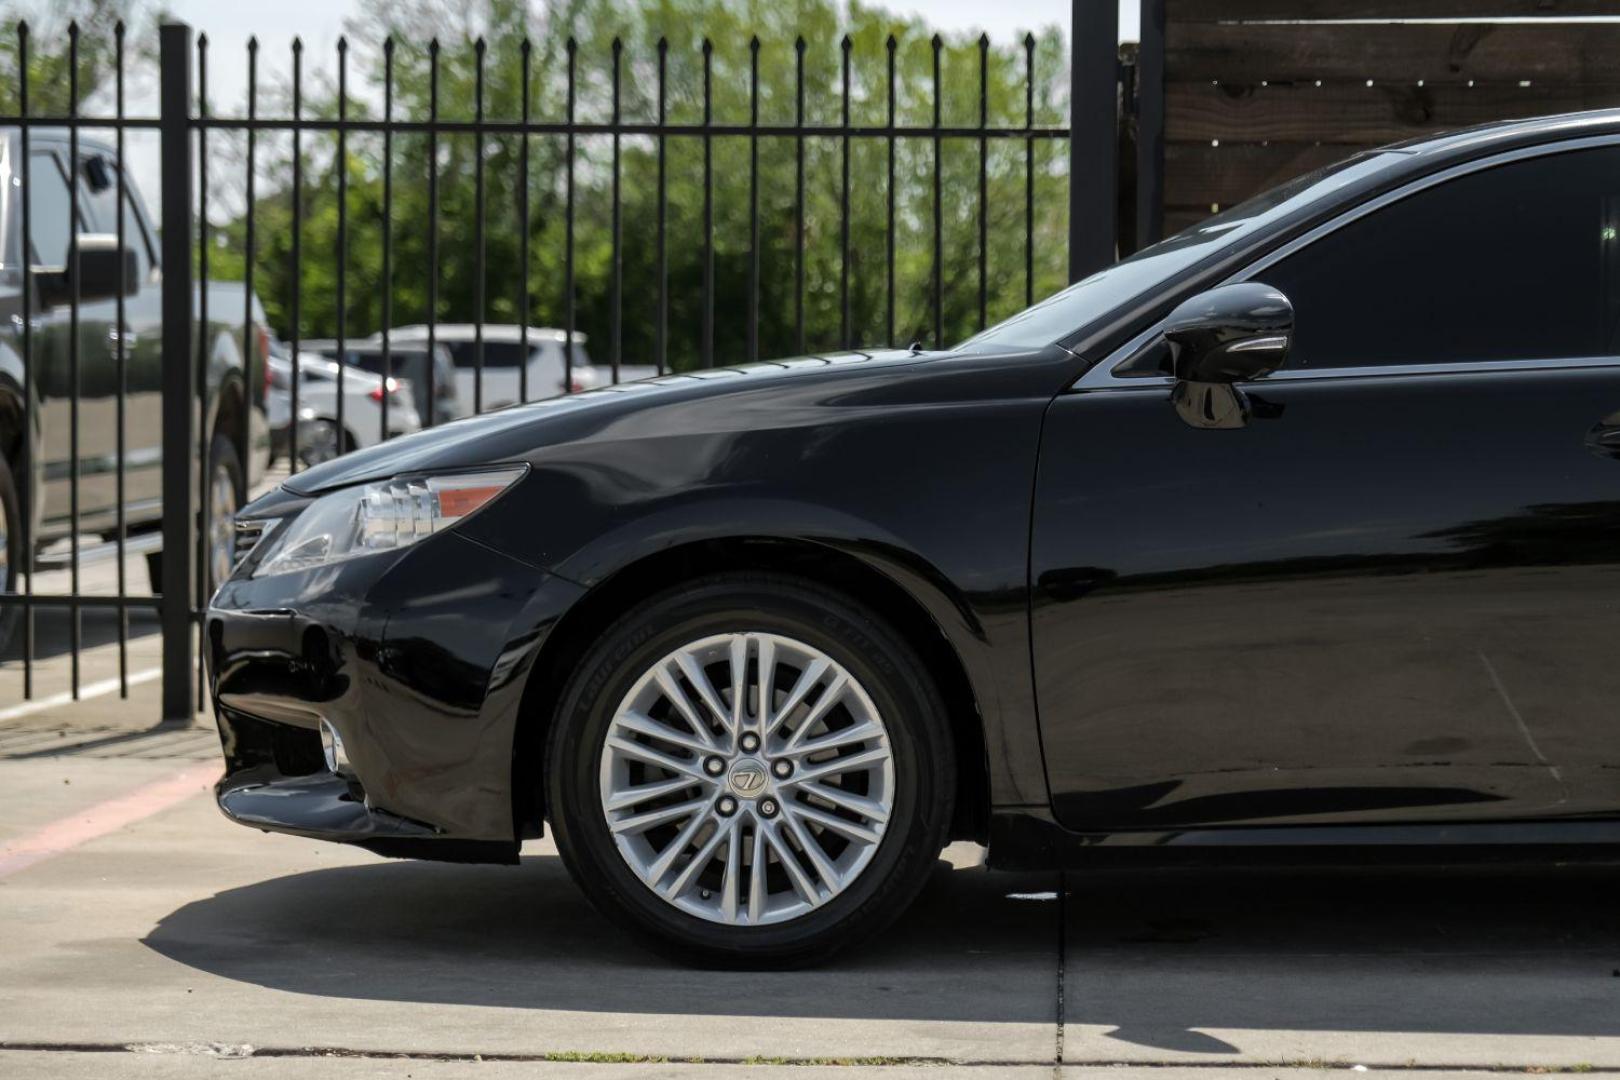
<point>1150,126</point>
<point>1093,135</point>
<point>179,383</point>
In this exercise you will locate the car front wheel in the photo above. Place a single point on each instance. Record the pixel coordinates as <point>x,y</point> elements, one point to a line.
<point>749,770</point>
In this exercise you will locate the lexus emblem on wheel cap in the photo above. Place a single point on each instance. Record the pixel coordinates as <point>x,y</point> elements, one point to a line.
<point>748,781</point>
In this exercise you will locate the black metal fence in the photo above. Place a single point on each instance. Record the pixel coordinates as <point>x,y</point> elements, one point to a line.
<point>200,403</point>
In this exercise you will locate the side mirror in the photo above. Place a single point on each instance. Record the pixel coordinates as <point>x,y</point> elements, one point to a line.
<point>1230,334</point>
<point>99,260</point>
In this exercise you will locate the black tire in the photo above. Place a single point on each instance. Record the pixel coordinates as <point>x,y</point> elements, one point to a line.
<point>845,631</point>
<point>11,528</point>
<point>222,458</point>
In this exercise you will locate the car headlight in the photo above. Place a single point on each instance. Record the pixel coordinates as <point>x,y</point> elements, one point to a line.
<point>384,516</point>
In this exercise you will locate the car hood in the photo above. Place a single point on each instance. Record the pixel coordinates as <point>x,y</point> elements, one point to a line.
<point>518,432</point>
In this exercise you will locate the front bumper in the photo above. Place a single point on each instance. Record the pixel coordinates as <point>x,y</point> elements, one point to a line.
<point>419,659</point>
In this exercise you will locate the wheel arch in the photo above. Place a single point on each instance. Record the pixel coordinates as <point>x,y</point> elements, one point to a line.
<point>820,564</point>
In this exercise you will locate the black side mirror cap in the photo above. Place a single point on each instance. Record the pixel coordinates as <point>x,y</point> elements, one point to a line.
<point>99,261</point>
<point>1229,334</point>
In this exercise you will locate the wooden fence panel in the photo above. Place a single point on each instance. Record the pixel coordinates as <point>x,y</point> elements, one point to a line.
<point>1356,114</point>
<point>1258,91</point>
<point>1405,52</point>
<point>1248,10</point>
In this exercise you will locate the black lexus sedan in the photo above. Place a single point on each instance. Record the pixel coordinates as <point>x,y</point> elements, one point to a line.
<point>1295,534</point>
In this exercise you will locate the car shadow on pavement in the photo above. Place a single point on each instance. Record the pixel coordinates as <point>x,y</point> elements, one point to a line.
<point>526,937</point>
<point>53,633</point>
<point>1154,959</point>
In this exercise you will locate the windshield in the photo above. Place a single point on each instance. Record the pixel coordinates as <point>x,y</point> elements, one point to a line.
<point>1063,313</point>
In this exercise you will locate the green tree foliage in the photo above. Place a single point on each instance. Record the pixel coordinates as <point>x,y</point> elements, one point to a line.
<point>49,85</point>
<point>594,26</point>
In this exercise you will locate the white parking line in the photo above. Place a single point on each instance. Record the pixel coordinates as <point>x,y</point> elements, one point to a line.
<point>92,690</point>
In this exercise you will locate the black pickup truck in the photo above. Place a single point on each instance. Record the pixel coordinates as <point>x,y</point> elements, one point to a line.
<point>36,459</point>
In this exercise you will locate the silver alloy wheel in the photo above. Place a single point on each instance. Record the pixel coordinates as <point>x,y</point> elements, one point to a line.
<point>319,441</point>
<point>747,778</point>
<point>221,525</point>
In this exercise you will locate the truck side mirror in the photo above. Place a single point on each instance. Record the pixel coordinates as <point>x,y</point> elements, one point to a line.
<point>97,270</point>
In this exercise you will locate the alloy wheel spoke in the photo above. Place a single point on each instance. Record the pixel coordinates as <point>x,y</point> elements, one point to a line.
<point>818,858</point>
<point>835,740</point>
<point>642,752</point>
<point>739,683</point>
<point>766,651</point>
<point>756,875</point>
<point>676,696</point>
<point>790,863</point>
<point>642,724</point>
<point>624,798</point>
<point>695,866</point>
<point>818,712</point>
<point>642,822</point>
<point>667,857</point>
<point>870,809</point>
<point>815,772</point>
<point>807,681</point>
<point>832,822</point>
<point>731,883</point>
<point>705,689</point>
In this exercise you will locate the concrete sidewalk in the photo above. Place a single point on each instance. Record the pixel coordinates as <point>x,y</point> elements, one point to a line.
<point>177,943</point>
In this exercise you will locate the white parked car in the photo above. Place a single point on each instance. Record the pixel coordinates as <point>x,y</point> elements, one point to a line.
<point>504,361</point>
<point>319,436</point>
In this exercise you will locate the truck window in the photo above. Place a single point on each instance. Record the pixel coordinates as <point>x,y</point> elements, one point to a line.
<point>98,194</point>
<point>497,354</point>
<point>48,210</point>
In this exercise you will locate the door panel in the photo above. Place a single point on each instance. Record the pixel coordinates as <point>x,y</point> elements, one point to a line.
<point>1391,599</point>
<point>52,226</point>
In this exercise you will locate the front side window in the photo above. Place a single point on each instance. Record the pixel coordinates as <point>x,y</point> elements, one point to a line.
<point>1519,261</point>
<point>50,225</point>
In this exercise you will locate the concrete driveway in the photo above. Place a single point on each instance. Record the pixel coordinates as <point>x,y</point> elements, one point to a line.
<point>142,935</point>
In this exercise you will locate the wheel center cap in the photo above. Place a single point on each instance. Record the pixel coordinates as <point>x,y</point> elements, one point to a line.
<point>747,779</point>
